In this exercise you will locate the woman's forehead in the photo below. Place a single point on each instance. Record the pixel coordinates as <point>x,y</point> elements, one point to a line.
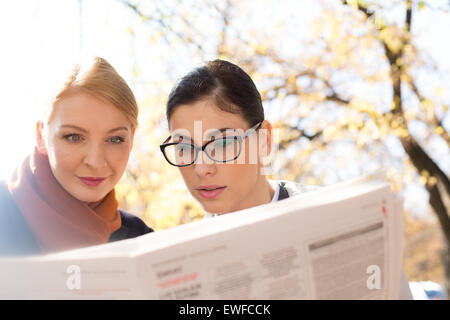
<point>206,116</point>
<point>87,111</point>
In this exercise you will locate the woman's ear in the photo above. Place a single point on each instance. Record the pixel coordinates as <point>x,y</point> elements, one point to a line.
<point>133,131</point>
<point>265,136</point>
<point>40,142</point>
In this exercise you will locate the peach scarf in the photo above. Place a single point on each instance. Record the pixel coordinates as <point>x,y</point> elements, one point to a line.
<point>57,219</point>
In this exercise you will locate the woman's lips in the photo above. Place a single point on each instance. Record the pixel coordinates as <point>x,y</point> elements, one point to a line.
<point>92,181</point>
<point>210,192</point>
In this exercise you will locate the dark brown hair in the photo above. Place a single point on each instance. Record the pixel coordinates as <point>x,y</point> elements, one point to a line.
<point>231,88</point>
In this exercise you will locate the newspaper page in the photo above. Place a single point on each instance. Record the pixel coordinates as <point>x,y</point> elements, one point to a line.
<point>338,242</point>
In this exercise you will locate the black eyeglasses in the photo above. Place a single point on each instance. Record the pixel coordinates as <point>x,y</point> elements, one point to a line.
<point>223,149</point>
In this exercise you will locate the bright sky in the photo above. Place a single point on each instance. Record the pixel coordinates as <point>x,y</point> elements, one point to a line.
<point>40,40</point>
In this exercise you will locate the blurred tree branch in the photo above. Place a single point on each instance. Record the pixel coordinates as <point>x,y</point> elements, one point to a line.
<point>285,81</point>
<point>439,187</point>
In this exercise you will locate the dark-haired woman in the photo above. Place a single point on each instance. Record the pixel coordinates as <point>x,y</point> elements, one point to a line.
<point>219,137</point>
<point>220,103</point>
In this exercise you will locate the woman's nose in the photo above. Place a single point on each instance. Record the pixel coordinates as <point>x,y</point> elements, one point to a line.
<point>95,157</point>
<point>204,165</point>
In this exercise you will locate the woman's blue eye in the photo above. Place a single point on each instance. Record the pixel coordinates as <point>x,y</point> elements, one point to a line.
<point>223,143</point>
<point>184,147</point>
<point>73,137</point>
<point>117,139</point>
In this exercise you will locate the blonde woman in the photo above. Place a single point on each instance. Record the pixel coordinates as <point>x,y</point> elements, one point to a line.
<point>62,196</point>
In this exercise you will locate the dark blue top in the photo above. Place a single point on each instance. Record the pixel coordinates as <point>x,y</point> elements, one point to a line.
<point>16,237</point>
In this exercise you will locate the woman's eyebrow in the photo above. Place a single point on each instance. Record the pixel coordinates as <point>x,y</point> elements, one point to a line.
<point>209,135</point>
<point>214,132</point>
<point>178,136</point>
<point>71,126</point>
<point>117,129</point>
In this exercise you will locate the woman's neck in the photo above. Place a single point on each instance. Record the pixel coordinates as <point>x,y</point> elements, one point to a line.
<point>94,205</point>
<point>261,194</point>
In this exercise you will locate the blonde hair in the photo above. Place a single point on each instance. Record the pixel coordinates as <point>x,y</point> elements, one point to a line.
<point>98,77</point>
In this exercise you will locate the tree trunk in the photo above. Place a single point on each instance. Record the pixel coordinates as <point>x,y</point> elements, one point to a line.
<point>438,191</point>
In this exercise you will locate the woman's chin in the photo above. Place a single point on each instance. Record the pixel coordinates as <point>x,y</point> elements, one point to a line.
<point>210,208</point>
<point>216,208</point>
<point>89,197</point>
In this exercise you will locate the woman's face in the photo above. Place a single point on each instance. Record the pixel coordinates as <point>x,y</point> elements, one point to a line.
<point>219,187</point>
<point>88,143</point>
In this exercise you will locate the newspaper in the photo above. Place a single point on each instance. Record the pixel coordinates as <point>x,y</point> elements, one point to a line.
<point>338,242</point>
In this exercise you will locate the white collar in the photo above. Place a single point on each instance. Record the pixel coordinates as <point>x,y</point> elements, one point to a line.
<point>276,194</point>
